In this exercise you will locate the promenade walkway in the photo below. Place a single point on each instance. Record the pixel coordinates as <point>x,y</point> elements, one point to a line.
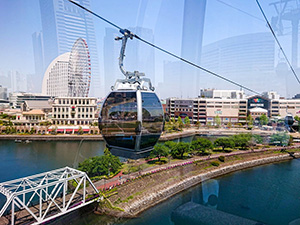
<point>120,178</point>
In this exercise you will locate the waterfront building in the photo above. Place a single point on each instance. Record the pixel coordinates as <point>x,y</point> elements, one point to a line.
<point>70,73</point>
<point>284,107</point>
<point>63,23</point>
<point>55,82</point>
<point>44,105</point>
<point>205,110</point>
<point>30,118</point>
<point>74,111</point>
<point>275,105</point>
<point>257,112</point>
<point>16,99</point>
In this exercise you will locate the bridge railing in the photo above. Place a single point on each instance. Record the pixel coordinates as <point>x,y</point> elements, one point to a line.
<point>45,196</point>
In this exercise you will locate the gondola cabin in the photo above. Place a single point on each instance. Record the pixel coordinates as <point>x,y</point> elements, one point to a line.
<point>131,122</point>
<point>131,119</point>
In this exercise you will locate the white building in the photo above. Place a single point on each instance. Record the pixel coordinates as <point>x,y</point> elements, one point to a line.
<point>70,73</point>
<point>55,82</point>
<point>205,110</point>
<point>229,94</point>
<point>18,98</point>
<point>74,111</point>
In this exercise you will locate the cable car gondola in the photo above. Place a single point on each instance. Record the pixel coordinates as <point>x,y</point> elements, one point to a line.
<point>131,118</point>
<point>289,121</point>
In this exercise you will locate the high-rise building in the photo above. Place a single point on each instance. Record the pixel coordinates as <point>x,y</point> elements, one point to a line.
<point>37,41</point>
<point>191,47</point>
<point>18,81</point>
<point>3,93</point>
<point>63,23</point>
<point>55,82</point>
<point>171,80</point>
<point>111,53</point>
<point>140,57</point>
<point>246,59</point>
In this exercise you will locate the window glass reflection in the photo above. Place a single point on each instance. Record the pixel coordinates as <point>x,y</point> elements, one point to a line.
<point>152,115</point>
<point>119,119</point>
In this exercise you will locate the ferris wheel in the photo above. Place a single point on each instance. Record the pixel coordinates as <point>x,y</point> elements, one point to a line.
<point>79,78</point>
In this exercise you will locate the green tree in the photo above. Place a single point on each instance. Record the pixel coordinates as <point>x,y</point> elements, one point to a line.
<point>249,121</point>
<point>80,130</point>
<point>263,120</point>
<point>100,165</point>
<point>170,145</point>
<point>241,140</point>
<point>106,151</point>
<point>187,121</point>
<point>281,139</point>
<point>218,121</point>
<point>179,149</point>
<point>159,151</point>
<point>224,142</point>
<point>229,125</point>
<point>200,145</point>
<point>180,123</point>
<point>257,138</point>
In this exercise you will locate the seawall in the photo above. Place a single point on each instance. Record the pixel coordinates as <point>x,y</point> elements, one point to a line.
<point>138,205</point>
<point>164,137</point>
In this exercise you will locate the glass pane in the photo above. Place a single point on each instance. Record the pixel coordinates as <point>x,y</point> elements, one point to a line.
<point>152,115</point>
<point>119,119</point>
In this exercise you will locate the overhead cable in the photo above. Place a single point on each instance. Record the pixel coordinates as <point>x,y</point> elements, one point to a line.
<point>277,41</point>
<point>242,11</point>
<point>167,52</point>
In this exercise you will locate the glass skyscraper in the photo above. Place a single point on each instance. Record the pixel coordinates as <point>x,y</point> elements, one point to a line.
<point>63,23</point>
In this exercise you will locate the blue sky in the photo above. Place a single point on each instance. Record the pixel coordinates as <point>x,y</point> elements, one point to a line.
<point>20,19</point>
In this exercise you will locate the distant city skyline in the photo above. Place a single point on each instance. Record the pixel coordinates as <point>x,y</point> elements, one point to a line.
<point>165,20</point>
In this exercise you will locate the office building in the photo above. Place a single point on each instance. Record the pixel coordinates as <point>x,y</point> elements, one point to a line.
<point>205,110</point>
<point>38,52</point>
<point>246,59</point>
<point>63,23</point>
<point>111,53</point>
<point>139,57</point>
<point>191,46</point>
<point>18,81</point>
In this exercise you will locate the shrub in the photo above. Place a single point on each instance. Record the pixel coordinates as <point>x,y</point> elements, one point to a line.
<point>221,158</point>
<point>215,163</point>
